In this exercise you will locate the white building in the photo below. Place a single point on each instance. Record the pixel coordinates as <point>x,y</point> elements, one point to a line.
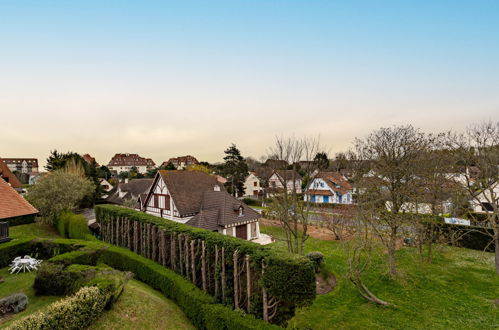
<point>125,162</point>
<point>252,185</point>
<point>200,200</point>
<point>281,178</point>
<point>329,187</point>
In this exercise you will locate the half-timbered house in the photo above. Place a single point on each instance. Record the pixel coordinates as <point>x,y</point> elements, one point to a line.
<point>200,200</point>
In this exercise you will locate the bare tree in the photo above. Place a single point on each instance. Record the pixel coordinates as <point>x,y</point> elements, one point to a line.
<point>386,164</point>
<point>286,204</point>
<point>477,151</point>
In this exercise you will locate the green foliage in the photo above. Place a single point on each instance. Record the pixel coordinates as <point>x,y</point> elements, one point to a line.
<point>218,317</point>
<point>72,225</point>
<point>235,170</point>
<point>317,258</point>
<point>291,279</point>
<point>59,191</point>
<point>321,160</point>
<point>252,201</point>
<point>21,220</point>
<point>12,249</point>
<point>75,312</point>
<point>53,280</point>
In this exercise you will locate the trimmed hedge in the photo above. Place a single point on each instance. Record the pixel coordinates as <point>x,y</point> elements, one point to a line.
<point>75,312</point>
<point>21,220</point>
<point>196,304</point>
<point>288,278</point>
<point>72,225</point>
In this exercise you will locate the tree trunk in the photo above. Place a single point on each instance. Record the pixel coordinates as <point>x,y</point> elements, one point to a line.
<point>236,279</point>
<point>264,298</point>
<point>203,264</point>
<point>135,236</point>
<point>193,261</point>
<point>223,274</point>
<point>216,271</point>
<point>496,242</point>
<point>391,251</point>
<point>181,254</point>
<point>248,283</point>
<point>186,255</point>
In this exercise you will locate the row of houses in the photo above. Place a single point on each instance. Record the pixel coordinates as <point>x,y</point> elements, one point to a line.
<point>124,162</point>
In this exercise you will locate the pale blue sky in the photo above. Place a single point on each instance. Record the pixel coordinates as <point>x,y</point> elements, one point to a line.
<point>166,78</point>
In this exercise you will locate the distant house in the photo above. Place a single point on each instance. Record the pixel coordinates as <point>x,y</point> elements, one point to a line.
<point>125,162</point>
<point>134,190</point>
<point>276,164</point>
<point>252,186</point>
<point>89,159</point>
<point>329,187</point>
<point>200,200</point>
<point>13,206</point>
<point>9,177</point>
<point>284,178</point>
<point>181,162</point>
<point>22,165</point>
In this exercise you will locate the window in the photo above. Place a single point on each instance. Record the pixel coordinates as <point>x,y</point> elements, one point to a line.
<point>241,211</point>
<point>167,202</point>
<point>156,201</point>
<point>255,184</point>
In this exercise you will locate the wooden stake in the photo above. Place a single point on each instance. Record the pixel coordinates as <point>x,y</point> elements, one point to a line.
<point>203,264</point>
<point>223,274</point>
<point>236,279</point>
<point>248,283</point>
<point>193,261</point>
<point>216,267</point>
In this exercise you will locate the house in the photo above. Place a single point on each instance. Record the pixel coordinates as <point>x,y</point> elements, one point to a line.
<point>106,187</point>
<point>89,159</point>
<point>276,164</point>
<point>125,162</point>
<point>329,187</point>
<point>281,178</point>
<point>181,162</point>
<point>200,200</point>
<point>252,186</point>
<point>22,165</point>
<point>9,177</point>
<point>13,207</point>
<point>134,190</point>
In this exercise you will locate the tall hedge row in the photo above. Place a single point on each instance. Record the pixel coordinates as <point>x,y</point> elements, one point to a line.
<point>198,306</point>
<point>263,277</point>
<point>72,225</point>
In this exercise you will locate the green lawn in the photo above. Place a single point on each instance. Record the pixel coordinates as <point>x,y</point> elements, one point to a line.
<point>141,307</point>
<point>22,282</point>
<point>455,292</point>
<point>33,230</point>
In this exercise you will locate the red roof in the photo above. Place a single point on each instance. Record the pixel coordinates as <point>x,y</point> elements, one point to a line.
<point>8,176</point>
<point>318,192</point>
<point>336,181</point>
<point>12,204</point>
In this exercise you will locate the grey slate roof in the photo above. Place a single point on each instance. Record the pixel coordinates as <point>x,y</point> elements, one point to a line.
<point>219,209</point>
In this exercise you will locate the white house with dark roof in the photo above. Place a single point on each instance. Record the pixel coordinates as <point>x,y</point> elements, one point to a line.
<point>200,200</point>
<point>284,178</point>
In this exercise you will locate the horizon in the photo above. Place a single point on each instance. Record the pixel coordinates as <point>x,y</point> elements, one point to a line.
<point>170,79</point>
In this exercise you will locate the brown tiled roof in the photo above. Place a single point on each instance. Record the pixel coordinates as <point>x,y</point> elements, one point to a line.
<point>130,160</point>
<point>12,204</point>
<point>335,181</point>
<point>276,163</point>
<point>187,188</point>
<point>89,159</point>
<point>187,160</point>
<point>8,176</point>
<point>219,210</point>
<point>318,192</point>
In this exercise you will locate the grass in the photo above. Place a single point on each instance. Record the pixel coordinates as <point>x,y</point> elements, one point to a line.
<point>40,230</point>
<point>22,282</point>
<point>141,307</point>
<point>456,291</point>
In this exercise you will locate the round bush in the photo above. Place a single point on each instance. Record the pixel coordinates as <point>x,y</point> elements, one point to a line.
<point>317,258</point>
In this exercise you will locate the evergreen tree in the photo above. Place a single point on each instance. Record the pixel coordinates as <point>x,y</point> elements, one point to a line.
<point>235,170</point>
<point>321,160</point>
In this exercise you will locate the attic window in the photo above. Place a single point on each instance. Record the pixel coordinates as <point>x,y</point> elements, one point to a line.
<point>241,211</point>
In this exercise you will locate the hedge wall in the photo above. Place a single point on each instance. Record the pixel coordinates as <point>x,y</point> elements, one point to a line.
<point>21,220</point>
<point>197,305</point>
<point>209,260</point>
<point>72,225</point>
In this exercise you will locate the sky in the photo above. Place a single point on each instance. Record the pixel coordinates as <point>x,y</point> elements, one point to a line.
<point>170,78</point>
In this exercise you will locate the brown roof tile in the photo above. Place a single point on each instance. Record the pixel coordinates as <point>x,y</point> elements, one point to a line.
<point>8,176</point>
<point>12,204</point>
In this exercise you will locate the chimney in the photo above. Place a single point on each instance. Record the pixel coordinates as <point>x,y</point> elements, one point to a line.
<point>126,180</point>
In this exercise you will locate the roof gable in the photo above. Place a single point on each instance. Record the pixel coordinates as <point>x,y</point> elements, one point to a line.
<point>8,176</point>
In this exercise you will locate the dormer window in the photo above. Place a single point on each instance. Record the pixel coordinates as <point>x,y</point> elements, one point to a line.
<point>241,211</point>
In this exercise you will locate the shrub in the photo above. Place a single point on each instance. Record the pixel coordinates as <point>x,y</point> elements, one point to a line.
<point>75,312</point>
<point>13,304</point>
<point>252,201</point>
<point>219,317</point>
<point>12,249</point>
<point>72,225</point>
<point>317,258</point>
<point>291,279</point>
<point>53,280</point>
